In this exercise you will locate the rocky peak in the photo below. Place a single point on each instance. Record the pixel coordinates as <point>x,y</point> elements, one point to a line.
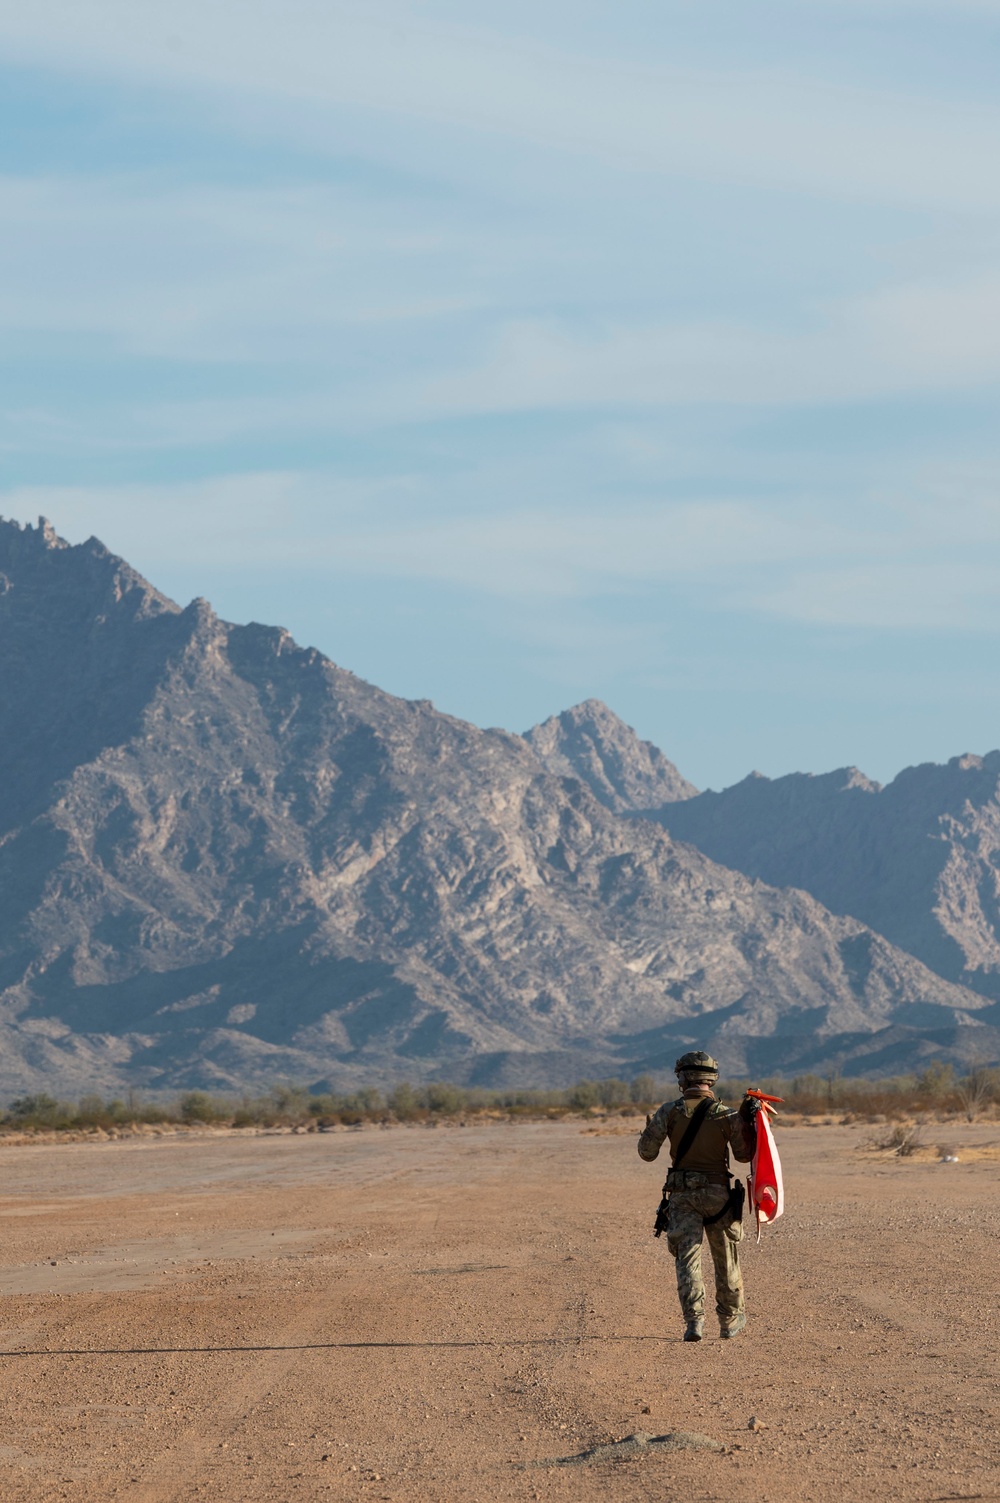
<point>970,762</point>
<point>591,743</point>
<point>84,639</point>
<point>88,578</point>
<point>27,539</point>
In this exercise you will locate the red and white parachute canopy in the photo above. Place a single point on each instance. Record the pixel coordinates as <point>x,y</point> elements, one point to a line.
<point>767,1192</point>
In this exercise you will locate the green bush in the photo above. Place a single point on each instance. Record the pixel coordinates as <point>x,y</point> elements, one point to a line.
<point>198,1106</point>
<point>290,1102</point>
<point>937,1081</point>
<point>403,1101</point>
<point>91,1111</point>
<point>642,1091</point>
<point>153,1113</point>
<point>443,1098</point>
<point>612,1092</point>
<point>38,1110</point>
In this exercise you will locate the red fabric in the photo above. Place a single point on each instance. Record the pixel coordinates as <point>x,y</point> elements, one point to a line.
<point>767,1193</point>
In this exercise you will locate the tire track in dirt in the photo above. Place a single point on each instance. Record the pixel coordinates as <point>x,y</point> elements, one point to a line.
<point>231,1404</point>
<point>450,1341</point>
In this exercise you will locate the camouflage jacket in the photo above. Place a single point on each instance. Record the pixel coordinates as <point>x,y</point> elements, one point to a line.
<point>721,1130</point>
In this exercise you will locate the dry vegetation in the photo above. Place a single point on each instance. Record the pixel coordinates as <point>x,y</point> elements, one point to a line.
<point>937,1093</point>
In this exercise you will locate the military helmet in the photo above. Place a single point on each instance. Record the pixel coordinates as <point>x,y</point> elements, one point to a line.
<point>697,1066</point>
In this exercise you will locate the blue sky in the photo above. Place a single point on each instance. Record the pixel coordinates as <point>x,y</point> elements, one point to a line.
<point>513,354</point>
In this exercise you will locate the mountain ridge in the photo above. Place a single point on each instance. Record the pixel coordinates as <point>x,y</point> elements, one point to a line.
<point>224,860</point>
<point>917,859</point>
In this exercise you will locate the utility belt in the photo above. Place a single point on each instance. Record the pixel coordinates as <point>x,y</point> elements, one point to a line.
<point>694,1179</point>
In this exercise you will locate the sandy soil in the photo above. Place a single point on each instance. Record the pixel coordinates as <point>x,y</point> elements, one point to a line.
<point>462,1314</point>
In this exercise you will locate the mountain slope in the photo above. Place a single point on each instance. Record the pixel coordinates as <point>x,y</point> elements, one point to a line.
<point>589,742</point>
<point>224,860</point>
<point>919,860</point>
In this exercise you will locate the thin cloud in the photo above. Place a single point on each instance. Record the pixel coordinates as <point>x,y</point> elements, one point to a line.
<point>884,564</point>
<point>213,273</point>
<point>892,595</point>
<point>740,126</point>
<point>909,339</point>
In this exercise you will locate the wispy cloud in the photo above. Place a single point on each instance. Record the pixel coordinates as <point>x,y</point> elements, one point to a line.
<point>759,127</point>
<point>214,272</point>
<point>234,288</point>
<point>930,563</point>
<point>916,337</point>
<point>892,594</point>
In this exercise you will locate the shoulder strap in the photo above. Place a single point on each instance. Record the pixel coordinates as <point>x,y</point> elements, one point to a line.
<point>691,1132</point>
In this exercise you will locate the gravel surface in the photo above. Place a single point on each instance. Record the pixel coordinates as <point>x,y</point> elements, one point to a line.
<point>453,1315</point>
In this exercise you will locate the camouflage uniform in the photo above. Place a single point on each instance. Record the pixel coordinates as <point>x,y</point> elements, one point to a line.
<point>691,1202</point>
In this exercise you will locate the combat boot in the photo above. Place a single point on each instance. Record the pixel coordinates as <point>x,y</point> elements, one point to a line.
<point>733,1327</point>
<point>694,1330</point>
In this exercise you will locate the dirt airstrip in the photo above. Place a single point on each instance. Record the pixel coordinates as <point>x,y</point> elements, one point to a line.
<point>460,1314</point>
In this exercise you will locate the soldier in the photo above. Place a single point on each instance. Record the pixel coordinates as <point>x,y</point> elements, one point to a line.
<point>701,1130</point>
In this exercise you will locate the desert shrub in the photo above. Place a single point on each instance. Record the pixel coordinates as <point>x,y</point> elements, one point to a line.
<point>33,1106</point>
<point>92,1111</point>
<point>522,1101</point>
<point>322,1106</point>
<point>155,1112</point>
<point>903,1138</point>
<point>612,1092</point>
<point>584,1094</point>
<point>38,1110</point>
<point>899,1097</point>
<point>642,1091</point>
<point>289,1102</point>
<point>910,1139</point>
<point>976,1090</point>
<point>403,1101</point>
<point>198,1106</point>
<point>937,1081</point>
<point>369,1099</point>
<point>443,1098</point>
<point>806,1091</point>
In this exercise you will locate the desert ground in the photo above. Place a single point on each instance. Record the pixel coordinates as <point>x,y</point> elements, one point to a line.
<point>453,1314</point>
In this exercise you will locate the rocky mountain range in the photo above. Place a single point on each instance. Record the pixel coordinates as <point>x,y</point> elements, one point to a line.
<point>225,860</point>
<point>918,860</point>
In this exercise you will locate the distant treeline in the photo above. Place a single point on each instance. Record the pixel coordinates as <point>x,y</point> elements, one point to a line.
<point>938,1089</point>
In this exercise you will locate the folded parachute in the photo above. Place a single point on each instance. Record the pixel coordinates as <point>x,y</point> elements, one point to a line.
<point>767,1193</point>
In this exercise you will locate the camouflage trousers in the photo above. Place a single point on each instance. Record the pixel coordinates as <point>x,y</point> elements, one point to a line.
<point>685,1229</point>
